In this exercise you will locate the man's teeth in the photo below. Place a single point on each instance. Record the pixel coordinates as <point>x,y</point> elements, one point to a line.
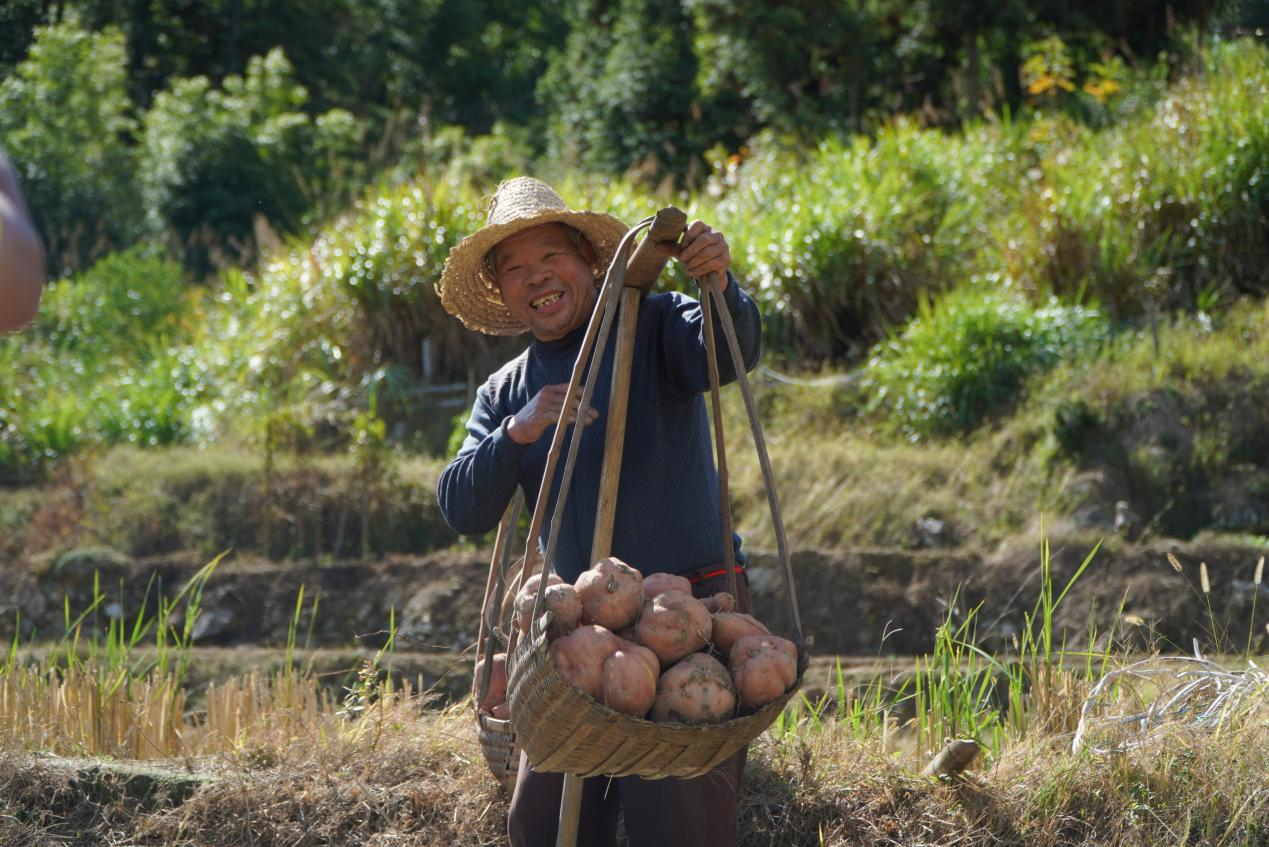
<point>545,301</point>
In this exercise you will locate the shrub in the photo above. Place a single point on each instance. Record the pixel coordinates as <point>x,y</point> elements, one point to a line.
<point>129,302</point>
<point>150,403</point>
<point>969,354</point>
<point>36,428</point>
<point>1168,212</point>
<point>215,158</point>
<point>331,321</point>
<point>65,117</point>
<point>840,245</point>
<point>108,361</point>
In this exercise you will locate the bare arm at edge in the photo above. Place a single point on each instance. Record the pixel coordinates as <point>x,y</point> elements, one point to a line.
<point>21,255</point>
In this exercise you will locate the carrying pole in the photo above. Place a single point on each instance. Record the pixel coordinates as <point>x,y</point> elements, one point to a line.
<point>642,271</point>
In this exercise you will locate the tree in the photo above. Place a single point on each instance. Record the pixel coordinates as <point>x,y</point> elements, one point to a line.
<point>962,29</point>
<point>18,20</point>
<point>623,90</point>
<point>215,158</point>
<point>803,66</point>
<point>456,60</point>
<point>67,122</point>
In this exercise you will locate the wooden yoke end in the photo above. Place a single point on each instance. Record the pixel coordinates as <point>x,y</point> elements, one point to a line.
<point>656,248</point>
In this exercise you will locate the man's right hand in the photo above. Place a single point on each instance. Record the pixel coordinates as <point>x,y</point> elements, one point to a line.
<point>546,409</point>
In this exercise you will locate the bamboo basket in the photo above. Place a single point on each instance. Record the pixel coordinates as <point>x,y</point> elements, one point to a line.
<point>563,729</point>
<point>498,744</point>
<point>497,735</point>
<point>559,727</point>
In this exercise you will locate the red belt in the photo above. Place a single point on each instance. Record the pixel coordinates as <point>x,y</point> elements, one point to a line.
<point>702,575</point>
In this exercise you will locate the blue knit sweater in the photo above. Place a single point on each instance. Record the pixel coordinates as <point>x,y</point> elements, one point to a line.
<point>667,517</point>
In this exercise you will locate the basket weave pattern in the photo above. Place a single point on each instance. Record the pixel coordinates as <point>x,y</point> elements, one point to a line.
<point>497,736</point>
<point>562,729</point>
<point>498,744</point>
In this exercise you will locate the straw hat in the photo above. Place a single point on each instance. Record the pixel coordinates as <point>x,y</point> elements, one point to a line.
<point>468,290</point>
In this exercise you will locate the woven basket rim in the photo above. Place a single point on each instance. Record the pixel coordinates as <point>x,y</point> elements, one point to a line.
<point>711,738</point>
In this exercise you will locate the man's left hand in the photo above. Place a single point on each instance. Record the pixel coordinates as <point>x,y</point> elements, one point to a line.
<point>705,251</point>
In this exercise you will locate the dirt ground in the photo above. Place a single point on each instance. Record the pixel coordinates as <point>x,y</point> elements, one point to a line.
<point>851,602</point>
<point>887,603</point>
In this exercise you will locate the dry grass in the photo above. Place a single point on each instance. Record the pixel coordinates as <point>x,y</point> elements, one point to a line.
<point>418,779</point>
<point>293,766</point>
<point>83,710</point>
<point>1186,788</point>
<point>843,485</point>
<point>413,777</point>
<point>77,711</point>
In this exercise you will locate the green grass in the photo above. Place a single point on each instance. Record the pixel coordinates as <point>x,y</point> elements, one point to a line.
<point>204,500</point>
<point>960,690</point>
<point>1189,414</point>
<point>969,355</point>
<point>840,243</point>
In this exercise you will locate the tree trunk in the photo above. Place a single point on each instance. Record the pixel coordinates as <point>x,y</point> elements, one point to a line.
<point>973,69</point>
<point>1011,71</point>
<point>231,43</point>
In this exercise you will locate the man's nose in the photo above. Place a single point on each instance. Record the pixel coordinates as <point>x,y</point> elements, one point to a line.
<point>539,273</point>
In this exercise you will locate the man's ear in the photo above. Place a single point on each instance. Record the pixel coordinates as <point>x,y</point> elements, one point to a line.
<point>587,254</point>
<point>586,251</point>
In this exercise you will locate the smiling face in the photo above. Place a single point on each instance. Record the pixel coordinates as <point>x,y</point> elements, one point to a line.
<point>546,280</point>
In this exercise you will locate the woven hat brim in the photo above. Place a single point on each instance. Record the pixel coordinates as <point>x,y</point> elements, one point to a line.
<point>469,293</point>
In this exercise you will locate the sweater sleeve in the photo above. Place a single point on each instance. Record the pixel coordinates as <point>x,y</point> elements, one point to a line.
<point>475,488</point>
<point>683,339</point>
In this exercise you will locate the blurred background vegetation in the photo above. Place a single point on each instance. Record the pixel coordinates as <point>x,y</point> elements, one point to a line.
<point>952,212</point>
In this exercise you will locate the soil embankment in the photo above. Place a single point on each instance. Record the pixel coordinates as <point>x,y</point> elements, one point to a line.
<point>852,602</point>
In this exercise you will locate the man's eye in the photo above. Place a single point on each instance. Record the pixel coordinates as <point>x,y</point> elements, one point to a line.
<point>552,254</point>
<point>511,270</point>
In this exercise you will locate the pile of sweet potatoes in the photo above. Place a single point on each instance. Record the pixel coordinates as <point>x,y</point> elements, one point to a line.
<point>647,648</point>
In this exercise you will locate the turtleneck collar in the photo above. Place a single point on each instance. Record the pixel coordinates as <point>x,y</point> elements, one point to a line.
<point>564,343</point>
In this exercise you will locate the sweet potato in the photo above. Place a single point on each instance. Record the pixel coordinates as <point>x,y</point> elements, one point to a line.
<point>565,608</point>
<point>630,683</point>
<point>749,644</point>
<point>642,652</point>
<point>762,668</point>
<point>696,690</point>
<point>497,692</point>
<point>730,626</point>
<point>527,596</point>
<point>658,582</point>
<point>579,657</point>
<point>611,593</point>
<point>720,602</point>
<point>672,625</point>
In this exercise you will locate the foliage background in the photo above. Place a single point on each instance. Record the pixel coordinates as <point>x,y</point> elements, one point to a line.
<point>248,205</point>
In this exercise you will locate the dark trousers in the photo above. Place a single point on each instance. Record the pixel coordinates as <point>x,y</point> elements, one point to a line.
<point>698,812</point>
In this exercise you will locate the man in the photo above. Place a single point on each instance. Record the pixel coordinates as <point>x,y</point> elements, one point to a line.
<point>21,255</point>
<point>536,266</point>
